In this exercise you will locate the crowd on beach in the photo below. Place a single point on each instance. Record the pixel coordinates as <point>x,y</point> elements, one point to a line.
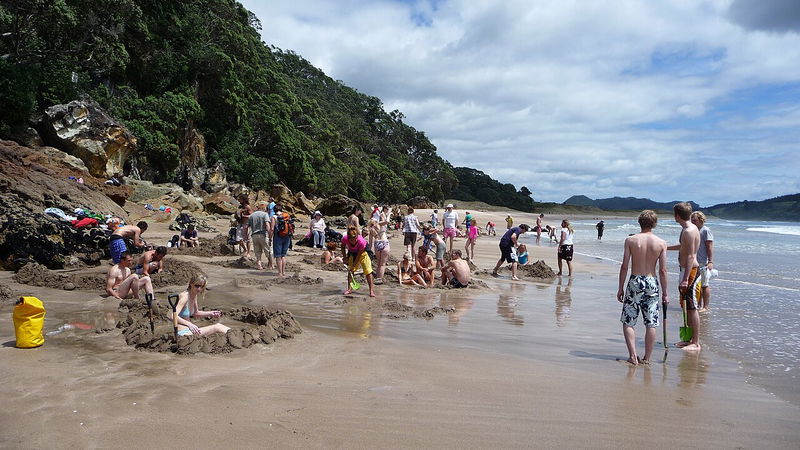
<point>265,233</point>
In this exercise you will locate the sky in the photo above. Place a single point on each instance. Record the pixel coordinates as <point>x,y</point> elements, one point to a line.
<point>665,99</point>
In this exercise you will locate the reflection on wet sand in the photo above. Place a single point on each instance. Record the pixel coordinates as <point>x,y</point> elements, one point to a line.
<point>692,370</point>
<point>460,304</point>
<point>363,323</point>
<point>563,301</point>
<point>507,305</point>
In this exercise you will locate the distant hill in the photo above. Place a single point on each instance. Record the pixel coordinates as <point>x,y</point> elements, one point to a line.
<point>622,203</point>
<point>786,207</point>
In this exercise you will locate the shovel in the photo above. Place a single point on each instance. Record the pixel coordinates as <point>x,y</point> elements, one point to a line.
<point>664,324</point>
<point>149,299</point>
<point>686,332</point>
<point>354,285</point>
<point>174,305</point>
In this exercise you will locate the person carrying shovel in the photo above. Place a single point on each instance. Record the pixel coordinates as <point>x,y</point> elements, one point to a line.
<point>642,252</point>
<point>354,253</point>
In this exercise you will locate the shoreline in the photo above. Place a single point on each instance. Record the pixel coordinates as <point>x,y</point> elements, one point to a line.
<point>518,364</point>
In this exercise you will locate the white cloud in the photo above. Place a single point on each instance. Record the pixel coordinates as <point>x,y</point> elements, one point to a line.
<point>554,95</point>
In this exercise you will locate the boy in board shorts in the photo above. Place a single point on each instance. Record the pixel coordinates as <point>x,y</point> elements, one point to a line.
<point>643,251</point>
<point>689,284</point>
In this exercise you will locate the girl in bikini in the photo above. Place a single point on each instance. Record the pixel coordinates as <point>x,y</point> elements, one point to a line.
<point>406,273</point>
<point>188,308</point>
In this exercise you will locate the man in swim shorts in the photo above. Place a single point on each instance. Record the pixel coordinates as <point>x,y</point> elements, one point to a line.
<point>151,261</point>
<point>116,244</point>
<point>121,282</point>
<point>449,221</point>
<point>456,273</point>
<point>642,252</point>
<point>689,285</point>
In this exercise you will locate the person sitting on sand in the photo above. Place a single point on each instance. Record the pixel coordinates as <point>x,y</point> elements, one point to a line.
<point>117,245</point>
<point>354,251</point>
<point>425,266</point>
<point>151,261</point>
<point>121,282</point>
<point>188,307</point>
<point>643,251</point>
<point>456,273</point>
<point>472,238</point>
<point>407,273</point>
<point>329,254</point>
<point>522,255</point>
<point>317,228</point>
<point>189,236</point>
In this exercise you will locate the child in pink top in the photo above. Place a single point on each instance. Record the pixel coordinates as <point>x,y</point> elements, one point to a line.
<point>471,239</point>
<point>354,254</point>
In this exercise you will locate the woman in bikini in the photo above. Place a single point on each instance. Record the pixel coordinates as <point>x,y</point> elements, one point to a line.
<point>406,273</point>
<point>382,244</point>
<point>187,308</point>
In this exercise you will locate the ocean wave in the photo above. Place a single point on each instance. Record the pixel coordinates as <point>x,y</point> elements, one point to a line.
<point>787,230</point>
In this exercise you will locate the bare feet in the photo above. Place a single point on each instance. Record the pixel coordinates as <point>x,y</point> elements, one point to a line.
<point>348,292</point>
<point>692,348</point>
<point>632,361</point>
<point>682,344</point>
<point>515,278</point>
<point>494,273</point>
<point>643,361</point>
<point>558,274</point>
<point>371,293</point>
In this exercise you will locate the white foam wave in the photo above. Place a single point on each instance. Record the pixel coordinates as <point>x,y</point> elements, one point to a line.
<point>787,230</point>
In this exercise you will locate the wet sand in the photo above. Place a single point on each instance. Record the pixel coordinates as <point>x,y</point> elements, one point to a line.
<point>517,364</point>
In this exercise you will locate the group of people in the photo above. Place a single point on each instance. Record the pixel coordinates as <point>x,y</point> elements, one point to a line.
<point>643,253</point>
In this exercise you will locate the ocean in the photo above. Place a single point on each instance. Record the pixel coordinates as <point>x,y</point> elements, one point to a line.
<point>755,304</point>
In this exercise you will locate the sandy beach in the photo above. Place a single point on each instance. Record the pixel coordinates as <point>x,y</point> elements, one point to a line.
<point>509,365</point>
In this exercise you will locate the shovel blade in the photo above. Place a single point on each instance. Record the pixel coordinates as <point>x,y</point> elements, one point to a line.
<point>686,334</point>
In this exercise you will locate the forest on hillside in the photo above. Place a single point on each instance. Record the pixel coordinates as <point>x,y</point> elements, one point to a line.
<point>161,67</point>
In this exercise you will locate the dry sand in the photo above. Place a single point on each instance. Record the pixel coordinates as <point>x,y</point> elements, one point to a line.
<point>511,364</point>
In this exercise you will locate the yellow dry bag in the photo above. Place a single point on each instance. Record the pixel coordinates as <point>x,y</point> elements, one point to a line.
<point>28,322</point>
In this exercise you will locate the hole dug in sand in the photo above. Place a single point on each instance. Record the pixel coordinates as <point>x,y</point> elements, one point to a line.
<point>262,325</point>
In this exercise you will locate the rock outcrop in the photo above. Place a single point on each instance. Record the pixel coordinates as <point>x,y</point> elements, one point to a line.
<point>83,129</point>
<point>192,169</point>
<point>31,181</point>
<point>340,205</point>
<point>421,203</point>
<point>216,179</point>
<point>164,194</point>
<point>220,203</point>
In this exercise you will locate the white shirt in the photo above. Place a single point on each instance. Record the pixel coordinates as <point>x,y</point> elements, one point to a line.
<point>450,219</point>
<point>568,236</point>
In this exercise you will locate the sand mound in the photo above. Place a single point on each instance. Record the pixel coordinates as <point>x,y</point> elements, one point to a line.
<point>6,294</point>
<point>34,274</point>
<point>293,280</point>
<point>334,267</point>
<point>310,259</point>
<point>393,309</point>
<point>176,272</point>
<point>218,246</point>
<point>239,263</point>
<point>262,326</point>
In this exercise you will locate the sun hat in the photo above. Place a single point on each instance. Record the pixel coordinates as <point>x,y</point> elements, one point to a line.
<point>449,205</point>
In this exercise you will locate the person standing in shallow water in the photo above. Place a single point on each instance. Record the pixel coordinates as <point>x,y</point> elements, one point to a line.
<point>689,284</point>
<point>565,246</point>
<point>643,251</point>
<point>354,252</point>
<point>705,256</point>
<point>600,226</point>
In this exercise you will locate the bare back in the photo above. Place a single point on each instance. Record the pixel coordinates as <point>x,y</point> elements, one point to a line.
<point>461,270</point>
<point>644,250</point>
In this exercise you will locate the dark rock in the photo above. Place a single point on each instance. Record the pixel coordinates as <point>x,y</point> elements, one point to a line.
<point>192,167</point>
<point>216,179</point>
<point>220,203</point>
<point>421,203</point>
<point>340,205</point>
<point>83,129</point>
